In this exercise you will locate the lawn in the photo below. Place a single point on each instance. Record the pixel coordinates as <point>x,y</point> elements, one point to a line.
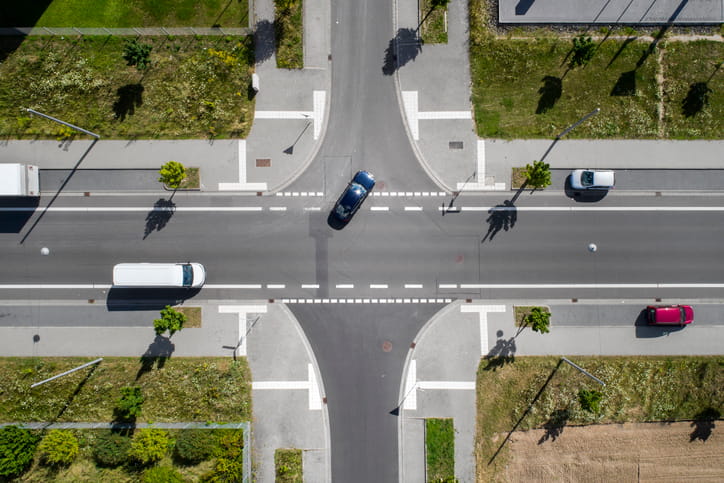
<point>289,33</point>
<point>125,13</point>
<point>638,389</point>
<point>195,87</point>
<point>174,389</point>
<point>439,450</point>
<point>288,466</point>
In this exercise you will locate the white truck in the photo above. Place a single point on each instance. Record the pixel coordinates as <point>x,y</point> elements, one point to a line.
<point>21,180</point>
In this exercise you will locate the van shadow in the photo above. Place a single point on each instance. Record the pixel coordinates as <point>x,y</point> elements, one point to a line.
<point>19,211</point>
<point>128,299</point>
<point>646,331</point>
<point>583,196</point>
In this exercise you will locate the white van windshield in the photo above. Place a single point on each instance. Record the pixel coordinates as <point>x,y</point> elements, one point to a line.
<point>188,272</point>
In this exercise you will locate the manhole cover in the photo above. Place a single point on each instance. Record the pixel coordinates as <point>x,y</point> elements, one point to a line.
<point>387,346</point>
<point>455,144</point>
<point>263,163</point>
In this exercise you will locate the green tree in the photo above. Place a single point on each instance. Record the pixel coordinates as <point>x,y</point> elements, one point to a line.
<point>172,174</point>
<point>17,446</point>
<point>539,320</point>
<point>170,320</point>
<point>59,447</point>
<point>590,400</point>
<point>538,174</point>
<point>138,54</point>
<point>129,405</point>
<point>583,50</point>
<point>149,445</point>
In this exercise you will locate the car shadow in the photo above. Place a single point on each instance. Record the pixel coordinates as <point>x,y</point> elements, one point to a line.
<point>646,331</point>
<point>583,196</point>
<point>147,298</point>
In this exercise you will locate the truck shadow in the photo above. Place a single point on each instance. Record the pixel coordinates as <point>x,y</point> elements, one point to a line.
<point>16,212</point>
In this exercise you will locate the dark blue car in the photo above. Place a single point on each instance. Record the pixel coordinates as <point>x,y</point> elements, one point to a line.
<point>356,192</point>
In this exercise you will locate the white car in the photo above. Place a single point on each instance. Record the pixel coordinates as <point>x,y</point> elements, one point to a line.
<point>586,179</point>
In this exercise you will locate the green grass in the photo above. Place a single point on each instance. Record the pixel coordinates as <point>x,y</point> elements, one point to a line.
<point>175,389</point>
<point>524,89</point>
<point>638,389</point>
<point>194,88</point>
<point>193,314</point>
<point>84,468</point>
<point>288,464</point>
<point>289,27</point>
<point>125,13</point>
<point>434,25</point>
<point>685,66</point>
<point>440,450</point>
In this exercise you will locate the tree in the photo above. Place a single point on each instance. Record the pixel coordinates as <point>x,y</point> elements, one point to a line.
<point>59,447</point>
<point>17,446</point>
<point>170,320</point>
<point>129,405</point>
<point>539,320</point>
<point>590,400</point>
<point>538,175</point>
<point>583,50</point>
<point>138,54</point>
<point>172,173</point>
<point>149,445</point>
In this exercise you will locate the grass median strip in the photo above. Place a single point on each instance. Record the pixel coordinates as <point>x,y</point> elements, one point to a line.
<point>440,449</point>
<point>539,392</point>
<point>289,28</point>
<point>288,465</point>
<point>433,18</point>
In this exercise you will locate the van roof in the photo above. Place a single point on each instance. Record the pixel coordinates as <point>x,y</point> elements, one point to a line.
<point>148,274</point>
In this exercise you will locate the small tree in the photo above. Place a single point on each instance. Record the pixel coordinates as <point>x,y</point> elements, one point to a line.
<point>590,400</point>
<point>137,54</point>
<point>59,448</point>
<point>538,175</point>
<point>172,173</point>
<point>170,320</point>
<point>17,446</point>
<point>539,320</point>
<point>149,445</point>
<point>583,50</point>
<point>129,405</point>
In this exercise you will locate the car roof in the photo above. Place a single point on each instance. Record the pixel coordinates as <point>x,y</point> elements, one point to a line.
<point>352,195</point>
<point>669,314</point>
<point>365,179</point>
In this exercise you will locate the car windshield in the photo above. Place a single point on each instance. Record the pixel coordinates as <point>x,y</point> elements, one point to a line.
<point>587,178</point>
<point>682,314</point>
<point>188,274</point>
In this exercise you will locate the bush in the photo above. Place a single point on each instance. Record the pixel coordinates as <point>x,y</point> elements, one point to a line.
<point>590,400</point>
<point>17,446</point>
<point>538,175</point>
<point>195,445</point>
<point>149,445</point>
<point>170,320</point>
<point>129,405</point>
<point>225,470</point>
<point>172,174</point>
<point>59,447</point>
<point>583,50</point>
<point>137,54</point>
<point>539,320</point>
<point>111,449</point>
<point>162,474</point>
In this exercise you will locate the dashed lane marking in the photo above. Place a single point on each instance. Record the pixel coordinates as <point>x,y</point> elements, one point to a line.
<point>413,285</point>
<point>380,208</point>
<point>344,285</point>
<point>413,208</point>
<point>379,285</point>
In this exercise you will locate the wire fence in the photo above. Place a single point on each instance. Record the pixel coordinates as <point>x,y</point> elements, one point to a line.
<point>139,31</point>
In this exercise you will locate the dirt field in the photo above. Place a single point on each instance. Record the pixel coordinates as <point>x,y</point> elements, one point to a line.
<point>619,452</point>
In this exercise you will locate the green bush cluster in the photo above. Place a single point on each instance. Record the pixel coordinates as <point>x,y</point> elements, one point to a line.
<point>149,445</point>
<point>137,54</point>
<point>230,463</point>
<point>539,320</point>
<point>17,446</point>
<point>171,320</point>
<point>111,449</point>
<point>590,400</point>
<point>59,448</point>
<point>129,405</point>
<point>162,474</point>
<point>195,445</point>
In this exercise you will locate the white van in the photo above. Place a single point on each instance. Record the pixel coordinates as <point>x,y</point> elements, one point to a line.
<point>187,275</point>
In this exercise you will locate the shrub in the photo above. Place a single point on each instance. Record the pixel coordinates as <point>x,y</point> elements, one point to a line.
<point>162,474</point>
<point>129,405</point>
<point>583,50</point>
<point>225,470</point>
<point>149,445</point>
<point>195,445</point>
<point>539,320</point>
<point>590,400</point>
<point>59,447</point>
<point>17,446</point>
<point>170,320</point>
<point>137,54</point>
<point>172,174</point>
<point>111,449</point>
<point>232,444</point>
<point>538,175</point>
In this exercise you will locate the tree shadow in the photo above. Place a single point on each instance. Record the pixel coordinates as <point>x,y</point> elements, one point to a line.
<point>696,99</point>
<point>620,50</point>
<point>405,47</point>
<point>625,84</point>
<point>703,424</point>
<point>264,43</point>
<point>555,424</point>
<point>501,354</point>
<point>130,97</point>
<point>501,217</point>
<point>550,92</point>
<point>156,355</point>
<point>159,216</point>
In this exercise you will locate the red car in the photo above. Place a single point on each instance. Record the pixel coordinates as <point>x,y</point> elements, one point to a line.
<point>670,314</point>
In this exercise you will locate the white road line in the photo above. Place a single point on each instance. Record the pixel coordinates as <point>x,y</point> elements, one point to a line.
<point>378,285</point>
<point>380,208</point>
<point>410,104</point>
<point>449,385</point>
<point>315,396</point>
<point>275,285</point>
<point>448,285</point>
<point>234,286</point>
<point>344,285</point>
<point>482,311</point>
<point>242,184</point>
<point>277,208</point>
<point>413,208</point>
<point>413,285</point>
<point>242,312</point>
<point>313,208</point>
<point>310,285</point>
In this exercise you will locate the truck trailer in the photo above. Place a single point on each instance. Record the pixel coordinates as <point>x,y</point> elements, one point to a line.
<point>21,180</point>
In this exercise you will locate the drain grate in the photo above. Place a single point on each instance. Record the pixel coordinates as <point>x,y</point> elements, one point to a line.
<point>455,144</point>
<point>263,163</point>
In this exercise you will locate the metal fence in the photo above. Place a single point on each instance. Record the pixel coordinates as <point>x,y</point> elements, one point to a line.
<point>139,31</point>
